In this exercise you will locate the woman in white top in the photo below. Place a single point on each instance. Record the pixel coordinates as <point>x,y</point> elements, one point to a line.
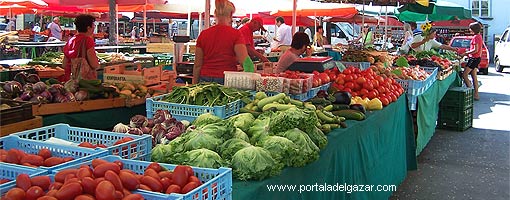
<point>408,34</point>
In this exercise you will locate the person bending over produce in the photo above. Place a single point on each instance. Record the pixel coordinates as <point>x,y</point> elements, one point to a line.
<point>425,43</point>
<point>247,32</point>
<point>220,48</point>
<point>300,44</point>
<point>82,45</point>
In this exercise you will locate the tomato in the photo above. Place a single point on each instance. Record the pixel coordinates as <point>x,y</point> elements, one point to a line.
<point>340,80</point>
<point>316,82</point>
<point>363,91</point>
<point>340,75</point>
<point>194,179</point>
<point>375,83</point>
<point>42,181</point>
<point>98,180</point>
<point>354,94</point>
<point>55,186</point>
<point>368,71</point>
<point>89,185</point>
<point>84,197</point>
<point>384,101</point>
<point>381,90</point>
<point>368,86</point>
<point>155,166</point>
<point>173,189</point>
<point>2,181</point>
<point>13,156</point>
<point>361,80</point>
<point>165,182</point>
<point>133,197</point>
<point>324,78</point>
<point>114,179</point>
<point>34,192</point>
<point>47,198</point>
<point>332,76</point>
<point>348,78</point>
<point>87,145</point>
<point>83,172</point>
<point>45,153</point>
<point>349,90</point>
<point>153,183</point>
<point>152,173</point>
<point>372,94</point>
<point>167,174</point>
<point>357,87</point>
<point>102,168</point>
<point>101,146</point>
<point>69,191</point>
<point>119,163</point>
<point>380,79</point>
<point>393,97</point>
<point>119,194</point>
<point>349,85</point>
<point>15,194</point>
<point>129,181</point>
<point>23,182</point>
<point>188,169</point>
<point>52,161</point>
<point>190,186</point>
<point>347,71</point>
<point>96,162</point>
<point>52,193</point>
<point>357,70</point>
<point>144,187</point>
<point>126,192</point>
<point>105,191</point>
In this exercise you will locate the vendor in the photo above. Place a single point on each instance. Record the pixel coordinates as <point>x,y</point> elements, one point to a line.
<point>319,38</point>
<point>74,49</point>
<point>425,43</point>
<point>220,48</point>
<point>300,44</point>
<point>366,37</point>
<point>247,32</point>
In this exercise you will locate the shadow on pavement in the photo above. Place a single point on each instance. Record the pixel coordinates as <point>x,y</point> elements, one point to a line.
<point>488,101</point>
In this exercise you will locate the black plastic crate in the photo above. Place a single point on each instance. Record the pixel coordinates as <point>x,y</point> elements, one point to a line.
<point>8,75</point>
<point>453,118</point>
<point>18,111</point>
<point>460,97</point>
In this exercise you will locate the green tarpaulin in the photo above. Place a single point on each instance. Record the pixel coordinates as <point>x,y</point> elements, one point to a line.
<point>376,151</point>
<point>428,108</point>
<point>437,11</point>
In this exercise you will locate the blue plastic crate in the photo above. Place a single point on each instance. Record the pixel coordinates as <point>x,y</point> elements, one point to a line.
<point>417,87</point>
<point>313,92</point>
<point>31,146</point>
<point>190,112</point>
<point>360,65</point>
<point>139,148</point>
<point>325,86</point>
<point>217,183</point>
<point>10,171</point>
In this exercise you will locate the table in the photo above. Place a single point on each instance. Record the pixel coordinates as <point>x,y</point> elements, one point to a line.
<point>110,47</point>
<point>428,109</point>
<point>28,124</point>
<point>378,150</point>
<point>15,62</point>
<point>99,119</point>
<point>34,45</point>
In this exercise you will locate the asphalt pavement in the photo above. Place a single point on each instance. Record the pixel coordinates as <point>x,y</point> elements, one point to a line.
<point>474,164</point>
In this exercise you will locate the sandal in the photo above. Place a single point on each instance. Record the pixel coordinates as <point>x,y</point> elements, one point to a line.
<point>477,98</point>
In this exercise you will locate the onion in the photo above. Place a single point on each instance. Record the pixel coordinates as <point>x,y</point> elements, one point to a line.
<point>39,87</point>
<point>81,95</point>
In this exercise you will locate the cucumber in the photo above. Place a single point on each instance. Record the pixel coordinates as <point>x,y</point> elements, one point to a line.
<point>320,101</point>
<point>326,128</point>
<point>260,95</point>
<point>325,118</point>
<point>296,102</point>
<point>350,114</point>
<point>310,106</point>
<point>278,106</point>
<point>340,107</point>
<point>249,106</point>
<point>268,100</point>
<point>254,113</point>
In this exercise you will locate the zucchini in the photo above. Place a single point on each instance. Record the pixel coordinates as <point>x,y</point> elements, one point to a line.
<point>326,128</point>
<point>268,100</point>
<point>254,113</point>
<point>350,114</point>
<point>260,95</point>
<point>310,106</point>
<point>296,103</point>
<point>278,106</point>
<point>340,107</point>
<point>325,118</point>
<point>249,106</point>
<point>320,101</point>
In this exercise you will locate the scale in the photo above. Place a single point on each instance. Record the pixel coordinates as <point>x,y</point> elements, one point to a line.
<point>313,63</point>
<point>184,70</point>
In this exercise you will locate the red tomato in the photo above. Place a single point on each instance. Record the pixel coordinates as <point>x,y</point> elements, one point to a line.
<point>23,182</point>
<point>84,197</point>
<point>52,161</point>
<point>363,91</point>
<point>87,145</point>
<point>153,183</point>
<point>89,185</point>
<point>152,173</point>
<point>114,179</point>
<point>354,94</point>
<point>96,162</point>
<point>15,194</point>
<point>384,101</point>
<point>381,90</point>
<point>393,97</point>
<point>349,85</point>
<point>361,80</point>
<point>332,76</point>
<point>69,191</point>
<point>83,172</point>
<point>357,70</point>
<point>129,181</point>
<point>324,78</point>
<point>45,153</point>
<point>194,179</point>
<point>380,79</point>
<point>167,174</point>
<point>42,181</point>
<point>348,78</point>
<point>340,80</point>
<point>180,176</point>
<point>368,71</point>
<point>372,94</point>
<point>173,189</point>
<point>347,71</point>
<point>155,166</point>
<point>105,191</point>
<point>375,83</point>
<point>349,90</point>
<point>189,187</point>
<point>119,163</point>
<point>165,182</point>
<point>102,168</point>
<point>133,197</point>
<point>357,87</point>
<point>34,192</point>
<point>55,186</point>
<point>368,86</point>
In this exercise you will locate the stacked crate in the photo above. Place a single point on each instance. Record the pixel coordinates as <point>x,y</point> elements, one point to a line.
<point>456,109</point>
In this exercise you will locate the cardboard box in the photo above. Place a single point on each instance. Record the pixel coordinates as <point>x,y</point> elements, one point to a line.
<point>119,74</point>
<point>161,47</point>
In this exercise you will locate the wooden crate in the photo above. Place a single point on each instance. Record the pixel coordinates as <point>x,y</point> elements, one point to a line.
<point>71,107</point>
<point>50,73</point>
<point>21,126</point>
<point>134,102</point>
<point>119,74</point>
<point>161,47</point>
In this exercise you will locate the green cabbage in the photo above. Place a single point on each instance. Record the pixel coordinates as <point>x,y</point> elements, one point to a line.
<point>167,153</point>
<point>204,119</point>
<point>230,147</point>
<point>222,130</point>
<point>202,158</point>
<point>197,139</point>
<point>281,149</point>
<point>288,119</point>
<point>308,151</point>
<point>240,134</point>
<point>243,121</point>
<point>317,136</point>
<point>259,129</point>
<point>254,163</point>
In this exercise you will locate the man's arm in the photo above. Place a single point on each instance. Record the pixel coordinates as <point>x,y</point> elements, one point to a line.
<point>254,53</point>
<point>199,59</point>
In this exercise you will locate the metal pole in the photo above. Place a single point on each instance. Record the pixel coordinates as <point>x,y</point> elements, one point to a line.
<point>294,16</point>
<point>112,37</point>
<point>145,20</point>
<point>207,15</point>
<point>188,28</point>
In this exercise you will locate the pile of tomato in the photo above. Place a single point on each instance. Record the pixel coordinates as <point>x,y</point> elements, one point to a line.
<point>42,158</point>
<point>367,84</point>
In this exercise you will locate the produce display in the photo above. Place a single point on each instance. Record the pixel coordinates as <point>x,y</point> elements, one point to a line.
<point>110,57</point>
<point>294,82</point>
<point>42,158</point>
<point>103,180</point>
<point>130,90</point>
<point>50,57</point>
<point>404,73</point>
<point>15,68</point>
<point>205,94</point>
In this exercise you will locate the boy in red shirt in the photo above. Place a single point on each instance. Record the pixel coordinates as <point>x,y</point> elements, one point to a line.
<point>474,54</point>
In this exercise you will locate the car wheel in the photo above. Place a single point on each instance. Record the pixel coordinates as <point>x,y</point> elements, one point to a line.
<point>499,68</point>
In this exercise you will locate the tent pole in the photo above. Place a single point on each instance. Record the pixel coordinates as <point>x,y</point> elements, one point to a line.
<point>199,22</point>
<point>386,29</point>
<point>145,20</point>
<point>207,14</point>
<point>294,17</point>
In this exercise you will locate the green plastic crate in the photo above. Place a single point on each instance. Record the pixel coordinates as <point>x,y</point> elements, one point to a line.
<point>460,97</point>
<point>454,118</point>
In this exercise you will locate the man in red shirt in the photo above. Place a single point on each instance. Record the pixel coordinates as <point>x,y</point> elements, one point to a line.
<point>247,30</point>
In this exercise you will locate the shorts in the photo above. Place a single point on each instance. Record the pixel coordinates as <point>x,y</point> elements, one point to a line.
<point>473,62</point>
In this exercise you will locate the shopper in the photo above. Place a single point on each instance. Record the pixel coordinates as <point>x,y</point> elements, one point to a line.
<point>319,39</point>
<point>283,33</point>
<point>10,25</point>
<point>74,49</point>
<point>220,48</point>
<point>408,35</point>
<point>55,29</point>
<point>134,32</point>
<point>247,32</point>
<point>425,43</point>
<point>300,44</point>
<point>474,53</point>
<point>36,28</point>
<point>366,37</point>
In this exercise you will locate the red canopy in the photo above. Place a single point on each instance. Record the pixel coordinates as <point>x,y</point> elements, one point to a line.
<point>270,20</point>
<point>106,2</point>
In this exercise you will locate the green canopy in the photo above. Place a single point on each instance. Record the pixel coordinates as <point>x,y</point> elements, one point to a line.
<point>436,11</point>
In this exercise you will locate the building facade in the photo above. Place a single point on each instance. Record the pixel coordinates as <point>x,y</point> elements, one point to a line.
<point>494,14</point>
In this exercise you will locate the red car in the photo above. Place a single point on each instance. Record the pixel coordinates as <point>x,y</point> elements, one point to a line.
<point>463,43</point>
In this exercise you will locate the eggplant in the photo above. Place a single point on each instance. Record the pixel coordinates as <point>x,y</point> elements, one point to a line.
<point>342,97</point>
<point>33,78</point>
<point>21,77</point>
<point>358,107</point>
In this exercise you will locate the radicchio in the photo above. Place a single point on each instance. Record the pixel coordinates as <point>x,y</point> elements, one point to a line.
<point>57,89</point>
<point>27,95</point>
<point>175,131</point>
<point>47,95</point>
<point>161,115</point>
<point>138,121</point>
<point>39,87</point>
<point>81,95</point>
<point>158,132</point>
<point>150,123</point>
<point>28,87</point>
<point>135,131</point>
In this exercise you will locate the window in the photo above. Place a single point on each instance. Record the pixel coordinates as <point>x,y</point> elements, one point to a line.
<point>480,8</point>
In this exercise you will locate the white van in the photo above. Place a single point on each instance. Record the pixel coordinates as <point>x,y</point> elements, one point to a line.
<point>502,51</point>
